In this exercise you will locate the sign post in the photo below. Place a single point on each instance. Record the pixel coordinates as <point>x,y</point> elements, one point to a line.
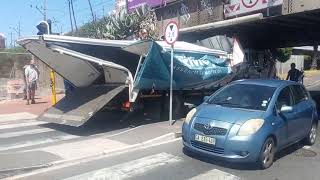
<point>171,36</point>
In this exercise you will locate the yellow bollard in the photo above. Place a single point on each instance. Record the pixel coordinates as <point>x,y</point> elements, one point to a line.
<point>53,87</point>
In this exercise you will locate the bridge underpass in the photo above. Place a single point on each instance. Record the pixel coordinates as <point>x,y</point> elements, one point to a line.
<point>257,32</point>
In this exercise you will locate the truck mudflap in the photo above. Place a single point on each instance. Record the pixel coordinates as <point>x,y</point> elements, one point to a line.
<point>78,107</point>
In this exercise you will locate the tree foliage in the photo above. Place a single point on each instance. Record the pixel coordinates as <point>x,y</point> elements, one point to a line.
<point>139,24</point>
<point>282,54</point>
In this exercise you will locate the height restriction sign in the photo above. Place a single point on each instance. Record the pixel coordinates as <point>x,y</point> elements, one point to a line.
<point>171,35</point>
<point>171,32</point>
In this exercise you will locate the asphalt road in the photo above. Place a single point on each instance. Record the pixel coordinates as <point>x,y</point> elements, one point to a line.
<point>27,144</point>
<point>169,161</point>
<point>30,143</point>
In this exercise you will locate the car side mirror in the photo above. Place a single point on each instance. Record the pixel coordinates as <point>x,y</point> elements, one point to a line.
<point>286,109</point>
<point>205,99</point>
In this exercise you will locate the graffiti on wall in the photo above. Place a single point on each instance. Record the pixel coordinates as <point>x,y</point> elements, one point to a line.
<point>239,7</point>
<point>207,6</point>
<point>184,11</point>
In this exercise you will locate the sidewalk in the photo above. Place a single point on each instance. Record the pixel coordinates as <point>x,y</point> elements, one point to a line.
<point>19,105</point>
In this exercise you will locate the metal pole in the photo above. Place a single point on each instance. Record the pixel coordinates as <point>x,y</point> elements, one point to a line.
<point>53,87</point>
<point>19,29</point>
<point>93,16</point>
<point>70,16</point>
<point>171,81</point>
<point>11,39</point>
<point>74,17</point>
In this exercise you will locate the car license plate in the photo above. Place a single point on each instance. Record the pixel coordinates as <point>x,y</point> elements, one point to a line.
<point>205,139</point>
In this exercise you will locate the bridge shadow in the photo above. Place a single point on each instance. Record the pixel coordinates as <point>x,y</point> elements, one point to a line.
<point>107,121</point>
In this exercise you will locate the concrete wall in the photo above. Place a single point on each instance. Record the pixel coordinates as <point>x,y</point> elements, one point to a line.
<point>189,13</point>
<point>44,82</point>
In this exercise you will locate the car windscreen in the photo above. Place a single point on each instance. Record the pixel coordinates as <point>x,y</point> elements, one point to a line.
<point>246,96</point>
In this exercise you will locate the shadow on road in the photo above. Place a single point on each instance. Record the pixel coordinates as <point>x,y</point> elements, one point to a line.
<point>220,162</point>
<point>107,121</point>
<point>244,166</point>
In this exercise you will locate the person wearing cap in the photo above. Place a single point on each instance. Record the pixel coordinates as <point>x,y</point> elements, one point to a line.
<point>32,76</point>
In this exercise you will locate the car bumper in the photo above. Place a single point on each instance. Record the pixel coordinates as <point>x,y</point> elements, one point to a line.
<point>233,149</point>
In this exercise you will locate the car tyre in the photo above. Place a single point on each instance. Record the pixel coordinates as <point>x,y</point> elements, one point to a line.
<point>267,154</point>
<point>312,136</point>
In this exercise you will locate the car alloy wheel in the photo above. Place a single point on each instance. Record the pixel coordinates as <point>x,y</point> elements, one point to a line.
<point>312,134</point>
<point>267,153</point>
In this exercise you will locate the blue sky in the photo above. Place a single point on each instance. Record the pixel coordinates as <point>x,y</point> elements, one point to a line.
<point>13,11</point>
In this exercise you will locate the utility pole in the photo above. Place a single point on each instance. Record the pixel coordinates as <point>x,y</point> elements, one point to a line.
<point>71,24</point>
<point>93,16</point>
<point>74,17</point>
<point>10,39</point>
<point>45,10</point>
<point>19,29</point>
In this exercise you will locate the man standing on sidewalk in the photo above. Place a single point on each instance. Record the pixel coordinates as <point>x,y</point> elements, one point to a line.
<point>32,75</point>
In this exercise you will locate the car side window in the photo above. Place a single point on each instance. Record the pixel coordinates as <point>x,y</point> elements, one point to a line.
<point>299,94</point>
<point>284,98</point>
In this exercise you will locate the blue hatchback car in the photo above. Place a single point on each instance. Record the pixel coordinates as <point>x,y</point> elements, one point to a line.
<point>250,120</point>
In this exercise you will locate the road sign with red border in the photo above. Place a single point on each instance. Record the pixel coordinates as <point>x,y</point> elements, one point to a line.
<point>171,32</point>
<point>249,3</point>
<point>239,7</point>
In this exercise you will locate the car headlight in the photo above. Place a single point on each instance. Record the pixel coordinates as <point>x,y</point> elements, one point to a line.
<point>250,127</point>
<point>190,115</point>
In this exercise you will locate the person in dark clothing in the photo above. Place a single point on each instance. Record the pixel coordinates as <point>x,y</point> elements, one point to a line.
<point>294,74</point>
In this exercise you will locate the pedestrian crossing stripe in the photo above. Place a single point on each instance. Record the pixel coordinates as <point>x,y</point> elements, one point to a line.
<point>22,124</point>
<point>16,116</point>
<point>35,142</point>
<point>129,169</point>
<point>26,132</point>
<point>215,174</point>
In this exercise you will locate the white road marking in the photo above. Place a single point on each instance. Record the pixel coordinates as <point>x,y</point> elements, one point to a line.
<point>16,116</point>
<point>314,84</point>
<point>84,148</point>
<point>37,142</point>
<point>27,132</point>
<point>215,174</point>
<point>65,164</point>
<point>129,169</point>
<point>24,124</point>
<point>123,132</point>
